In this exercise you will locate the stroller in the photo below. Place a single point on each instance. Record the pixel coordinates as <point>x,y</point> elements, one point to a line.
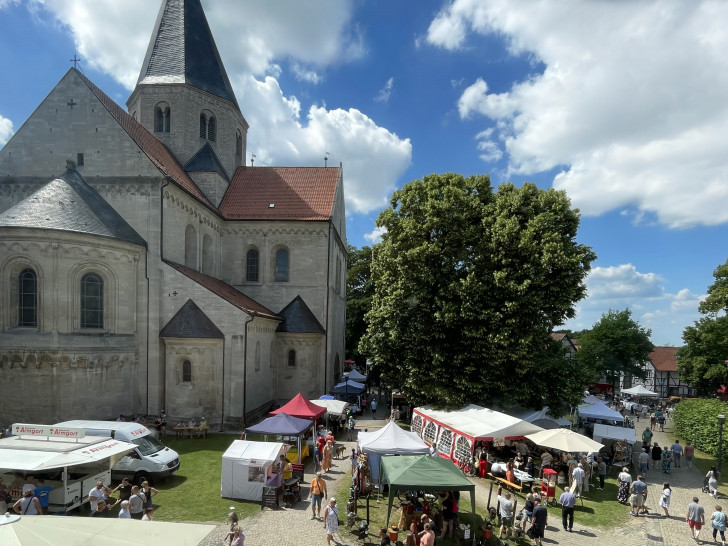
<point>706,487</point>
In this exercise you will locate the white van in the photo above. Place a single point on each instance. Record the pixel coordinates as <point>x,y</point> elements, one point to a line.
<point>150,461</point>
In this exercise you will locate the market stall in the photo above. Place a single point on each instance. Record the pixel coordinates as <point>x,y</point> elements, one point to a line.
<point>640,390</point>
<point>599,412</point>
<point>284,426</point>
<point>389,440</point>
<point>606,432</point>
<point>249,467</point>
<point>422,472</point>
<point>356,376</point>
<point>455,432</point>
<point>300,407</point>
<point>349,387</point>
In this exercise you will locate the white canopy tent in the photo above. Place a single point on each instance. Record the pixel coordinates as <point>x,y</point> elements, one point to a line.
<point>606,432</point>
<point>389,440</point>
<point>599,411</point>
<point>32,455</point>
<point>333,407</point>
<point>640,390</point>
<point>75,531</point>
<point>246,466</point>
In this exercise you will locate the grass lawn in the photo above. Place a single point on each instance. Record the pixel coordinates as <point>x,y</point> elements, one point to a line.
<point>193,494</point>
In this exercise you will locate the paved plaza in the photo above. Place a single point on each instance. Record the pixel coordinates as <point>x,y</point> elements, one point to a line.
<point>294,526</point>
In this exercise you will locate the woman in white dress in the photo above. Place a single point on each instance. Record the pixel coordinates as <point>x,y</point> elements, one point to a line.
<point>712,476</point>
<point>665,498</point>
<point>331,520</point>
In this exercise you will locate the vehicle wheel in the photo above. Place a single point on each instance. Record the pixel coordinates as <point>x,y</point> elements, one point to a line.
<point>141,477</point>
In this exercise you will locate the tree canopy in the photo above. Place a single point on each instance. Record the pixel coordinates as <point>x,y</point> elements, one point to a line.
<point>702,360</point>
<point>616,345</point>
<point>469,283</point>
<point>359,293</point>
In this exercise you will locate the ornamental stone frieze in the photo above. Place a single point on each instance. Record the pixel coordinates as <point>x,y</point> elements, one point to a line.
<point>21,360</point>
<point>247,232</point>
<point>120,190</point>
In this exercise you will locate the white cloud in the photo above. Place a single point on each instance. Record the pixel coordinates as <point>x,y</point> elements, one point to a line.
<point>6,3</point>
<point>385,92</point>
<point>637,115</point>
<point>255,42</point>
<point>375,236</point>
<point>6,130</point>
<point>489,149</point>
<point>621,287</point>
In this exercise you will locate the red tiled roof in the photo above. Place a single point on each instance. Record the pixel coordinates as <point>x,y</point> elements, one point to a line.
<point>297,193</point>
<point>557,336</point>
<point>157,152</point>
<point>225,291</point>
<point>663,359</point>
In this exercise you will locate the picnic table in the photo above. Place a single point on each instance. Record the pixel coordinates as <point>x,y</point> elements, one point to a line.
<point>192,432</point>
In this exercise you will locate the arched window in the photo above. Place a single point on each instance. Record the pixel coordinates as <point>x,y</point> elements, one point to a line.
<point>444,445</point>
<point>281,269</point>
<point>92,301</point>
<point>462,449</point>
<point>161,118</point>
<point>417,425</point>
<point>211,129</point>
<point>186,371</point>
<point>28,298</point>
<point>203,126</point>
<point>257,356</point>
<point>191,247</point>
<point>251,265</point>
<point>208,257</point>
<point>238,148</point>
<point>430,433</point>
<point>291,358</point>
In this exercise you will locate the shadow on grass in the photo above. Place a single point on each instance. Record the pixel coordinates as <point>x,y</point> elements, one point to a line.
<point>174,481</point>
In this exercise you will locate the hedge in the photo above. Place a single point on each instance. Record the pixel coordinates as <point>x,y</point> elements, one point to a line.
<point>697,421</point>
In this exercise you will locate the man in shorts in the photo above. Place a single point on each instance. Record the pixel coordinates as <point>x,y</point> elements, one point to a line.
<point>538,522</point>
<point>637,499</point>
<point>317,491</point>
<point>506,513</point>
<point>695,518</point>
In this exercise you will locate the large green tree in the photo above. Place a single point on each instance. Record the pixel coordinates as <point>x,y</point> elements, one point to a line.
<point>359,293</point>
<point>469,282</point>
<point>702,360</point>
<point>616,345</point>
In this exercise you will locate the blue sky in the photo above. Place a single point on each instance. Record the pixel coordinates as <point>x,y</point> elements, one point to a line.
<point>620,104</point>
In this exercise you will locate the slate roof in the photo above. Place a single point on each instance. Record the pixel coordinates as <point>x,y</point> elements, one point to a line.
<point>206,160</point>
<point>298,318</point>
<point>225,291</point>
<point>157,152</point>
<point>191,322</point>
<point>297,193</point>
<point>664,359</point>
<point>68,203</point>
<point>182,50</point>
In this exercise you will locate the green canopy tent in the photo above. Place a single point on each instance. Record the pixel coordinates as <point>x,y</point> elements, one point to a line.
<point>422,472</point>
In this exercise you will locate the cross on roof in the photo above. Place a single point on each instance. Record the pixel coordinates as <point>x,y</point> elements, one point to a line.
<point>75,60</point>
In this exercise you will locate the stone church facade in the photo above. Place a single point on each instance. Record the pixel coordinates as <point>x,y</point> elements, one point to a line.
<point>145,267</point>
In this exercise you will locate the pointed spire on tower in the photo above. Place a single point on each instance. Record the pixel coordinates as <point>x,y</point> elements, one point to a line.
<point>182,50</point>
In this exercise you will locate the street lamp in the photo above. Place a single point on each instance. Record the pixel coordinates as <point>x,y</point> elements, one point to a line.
<point>721,421</point>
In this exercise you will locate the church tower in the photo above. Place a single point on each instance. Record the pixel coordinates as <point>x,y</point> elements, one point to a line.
<point>183,97</point>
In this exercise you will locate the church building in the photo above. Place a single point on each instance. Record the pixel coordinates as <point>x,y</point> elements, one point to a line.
<point>145,267</point>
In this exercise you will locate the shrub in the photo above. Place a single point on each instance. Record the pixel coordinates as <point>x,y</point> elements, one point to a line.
<point>697,421</point>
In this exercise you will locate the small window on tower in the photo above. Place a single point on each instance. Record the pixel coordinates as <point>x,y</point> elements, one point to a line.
<point>211,129</point>
<point>79,160</point>
<point>203,126</point>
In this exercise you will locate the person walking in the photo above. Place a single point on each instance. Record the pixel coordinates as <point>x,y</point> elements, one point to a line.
<point>328,456</point>
<point>646,438</point>
<point>578,481</point>
<point>317,492</point>
<point>136,503</point>
<point>689,454</point>
<point>331,520</point>
<point>666,459</point>
<point>656,455</point>
<point>637,498</point>
<point>665,499</point>
<point>695,518</point>
<point>677,451</point>
<point>625,480</point>
<point>374,408</point>
<point>718,522</point>
<point>644,459</point>
<point>602,466</point>
<point>568,502</point>
<point>539,522</point>
<point>506,513</point>
<point>713,477</point>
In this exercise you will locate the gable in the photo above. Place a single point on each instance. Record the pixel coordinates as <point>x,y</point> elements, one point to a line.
<point>298,318</point>
<point>191,322</point>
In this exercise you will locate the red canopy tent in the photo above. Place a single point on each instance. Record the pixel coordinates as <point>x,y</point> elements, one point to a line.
<point>299,407</point>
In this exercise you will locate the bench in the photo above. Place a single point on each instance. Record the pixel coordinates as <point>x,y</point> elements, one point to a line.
<point>192,432</point>
<point>514,486</point>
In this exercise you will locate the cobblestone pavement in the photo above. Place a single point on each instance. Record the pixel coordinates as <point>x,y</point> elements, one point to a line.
<point>294,526</point>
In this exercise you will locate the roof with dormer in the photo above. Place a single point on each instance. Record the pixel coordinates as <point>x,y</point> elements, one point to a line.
<point>157,152</point>
<point>281,193</point>
<point>182,50</point>
<point>191,322</point>
<point>68,203</point>
<point>206,160</point>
